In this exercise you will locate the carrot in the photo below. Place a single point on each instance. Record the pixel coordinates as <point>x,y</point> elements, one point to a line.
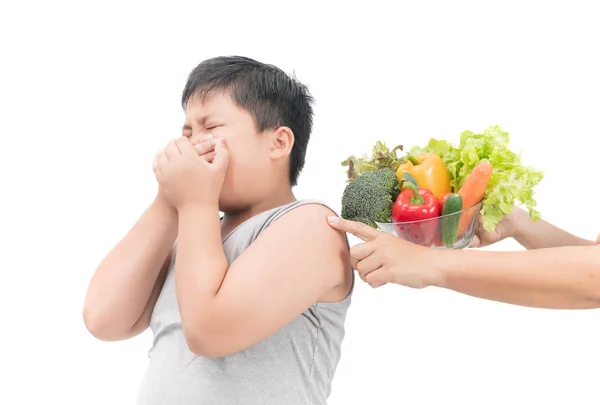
<point>472,191</point>
<point>475,183</point>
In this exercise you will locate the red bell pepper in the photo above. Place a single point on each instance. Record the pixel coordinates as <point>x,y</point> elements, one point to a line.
<point>416,204</point>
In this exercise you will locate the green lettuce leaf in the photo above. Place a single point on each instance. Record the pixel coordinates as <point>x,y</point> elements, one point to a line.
<point>510,182</point>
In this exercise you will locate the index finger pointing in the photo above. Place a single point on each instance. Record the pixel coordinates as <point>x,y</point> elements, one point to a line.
<point>358,229</point>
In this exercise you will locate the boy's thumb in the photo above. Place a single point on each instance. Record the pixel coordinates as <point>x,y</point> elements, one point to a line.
<point>221,159</point>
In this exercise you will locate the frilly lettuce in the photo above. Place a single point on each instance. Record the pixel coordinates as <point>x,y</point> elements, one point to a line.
<point>510,181</point>
<point>381,157</point>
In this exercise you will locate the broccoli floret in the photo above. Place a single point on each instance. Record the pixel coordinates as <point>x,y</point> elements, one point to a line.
<point>370,197</point>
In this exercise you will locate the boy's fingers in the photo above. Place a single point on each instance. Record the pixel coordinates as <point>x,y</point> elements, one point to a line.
<point>221,159</point>
<point>171,150</point>
<point>204,147</point>
<point>209,157</point>
<point>358,229</point>
<point>155,162</point>
<point>185,146</point>
<point>198,139</point>
<point>160,158</point>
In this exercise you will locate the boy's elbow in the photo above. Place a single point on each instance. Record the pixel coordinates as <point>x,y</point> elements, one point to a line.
<point>201,348</point>
<point>203,345</point>
<point>95,324</point>
<point>102,327</point>
<point>208,340</point>
<point>588,297</point>
<point>595,296</point>
<point>593,284</point>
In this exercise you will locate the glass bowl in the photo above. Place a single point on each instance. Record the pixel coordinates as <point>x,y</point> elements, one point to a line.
<point>428,232</point>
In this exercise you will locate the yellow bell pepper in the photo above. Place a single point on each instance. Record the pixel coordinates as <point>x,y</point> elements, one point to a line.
<point>429,172</point>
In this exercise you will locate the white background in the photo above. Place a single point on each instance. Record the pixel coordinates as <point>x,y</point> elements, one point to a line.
<point>89,91</point>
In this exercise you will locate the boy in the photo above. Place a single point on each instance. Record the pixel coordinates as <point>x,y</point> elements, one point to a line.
<point>248,308</point>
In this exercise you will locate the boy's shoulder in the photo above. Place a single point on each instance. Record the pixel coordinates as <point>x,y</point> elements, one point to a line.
<point>328,247</point>
<point>306,217</point>
<point>301,217</point>
<point>311,207</point>
<point>299,235</point>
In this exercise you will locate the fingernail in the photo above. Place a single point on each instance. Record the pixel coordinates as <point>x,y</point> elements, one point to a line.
<point>332,219</point>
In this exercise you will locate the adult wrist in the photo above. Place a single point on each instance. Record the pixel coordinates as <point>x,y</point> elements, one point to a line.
<point>444,264</point>
<point>520,219</point>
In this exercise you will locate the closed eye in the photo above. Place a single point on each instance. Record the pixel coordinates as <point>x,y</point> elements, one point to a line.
<point>213,125</point>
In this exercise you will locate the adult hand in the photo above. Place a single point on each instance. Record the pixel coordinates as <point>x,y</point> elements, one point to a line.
<point>506,228</point>
<point>384,258</point>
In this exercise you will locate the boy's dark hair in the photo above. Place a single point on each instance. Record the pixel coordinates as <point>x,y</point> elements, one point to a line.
<point>272,97</point>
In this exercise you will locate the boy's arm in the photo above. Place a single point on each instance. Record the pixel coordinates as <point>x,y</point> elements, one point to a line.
<point>291,265</point>
<point>126,284</point>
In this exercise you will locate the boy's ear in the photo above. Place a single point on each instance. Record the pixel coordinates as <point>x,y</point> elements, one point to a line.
<point>281,142</point>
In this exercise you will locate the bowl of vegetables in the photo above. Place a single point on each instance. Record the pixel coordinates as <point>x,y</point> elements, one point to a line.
<point>434,196</point>
<point>453,230</point>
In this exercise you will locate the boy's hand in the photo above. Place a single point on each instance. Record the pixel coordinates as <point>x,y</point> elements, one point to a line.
<point>187,179</point>
<point>385,258</point>
<point>204,146</point>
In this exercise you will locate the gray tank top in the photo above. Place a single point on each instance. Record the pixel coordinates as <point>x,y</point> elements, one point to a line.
<point>295,366</point>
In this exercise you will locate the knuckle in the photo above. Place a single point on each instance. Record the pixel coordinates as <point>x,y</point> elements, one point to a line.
<point>361,269</point>
<point>383,237</point>
<point>371,278</point>
<point>388,257</point>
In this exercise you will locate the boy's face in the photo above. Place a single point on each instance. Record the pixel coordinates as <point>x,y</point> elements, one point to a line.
<point>245,180</point>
